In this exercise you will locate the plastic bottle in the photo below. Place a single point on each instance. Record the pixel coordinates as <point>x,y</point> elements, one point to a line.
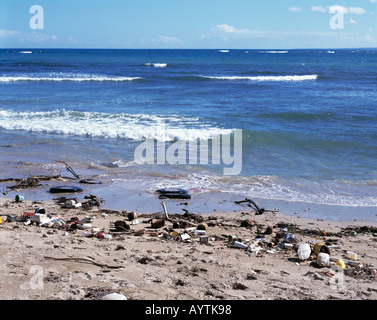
<point>286,245</point>
<point>239,245</point>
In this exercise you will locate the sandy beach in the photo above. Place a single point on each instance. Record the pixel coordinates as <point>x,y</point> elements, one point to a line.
<point>240,255</point>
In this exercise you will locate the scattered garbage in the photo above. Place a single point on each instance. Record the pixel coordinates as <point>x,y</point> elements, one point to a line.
<point>174,193</point>
<point>202,226</point>
<point>19,198</point>
<point>341,264</point>
<point>289,237</point>
<point>247,223</point>
<point>281,238</point>
<point>157,223</point>
<point>304,251</point>
<point>239,245</point>
<point>121,225</point>
<point>66,189</point>
<point>323,259</point>
<point>286,245</point>
<point>320,247</point>
<point>132,215</point>
<point>74,203</point>
<point>351,256</point>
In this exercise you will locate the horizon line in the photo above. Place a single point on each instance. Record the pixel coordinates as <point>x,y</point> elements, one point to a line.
<point>94,48</point>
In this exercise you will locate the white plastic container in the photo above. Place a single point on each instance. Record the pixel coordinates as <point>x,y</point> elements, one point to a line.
<point>351,255</point>
<point>40,218</point>
<point>304,251</point>
<point>185,236</point>
<point>323,259</point>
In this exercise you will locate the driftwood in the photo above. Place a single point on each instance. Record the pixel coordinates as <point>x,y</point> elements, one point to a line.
<point>86,260</point>
<point>174,220</point>
<point>30,182</point>
<point>68,167</point>
<point>253,205</point>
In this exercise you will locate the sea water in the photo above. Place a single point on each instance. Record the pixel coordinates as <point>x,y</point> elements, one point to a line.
<point>308,119</point>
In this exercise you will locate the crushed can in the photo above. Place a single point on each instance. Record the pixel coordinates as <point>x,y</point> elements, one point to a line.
<point>290,237</point>
<point>320,247</point>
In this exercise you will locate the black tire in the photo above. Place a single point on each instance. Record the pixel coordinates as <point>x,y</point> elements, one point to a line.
<point>175,196</point>
<point>66,189</point>
<point>171,191</point>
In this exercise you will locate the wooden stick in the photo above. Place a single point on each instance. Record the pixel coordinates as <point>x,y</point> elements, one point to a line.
<point>86,260</point>
<point>69,169</point>
<point>165,211</point>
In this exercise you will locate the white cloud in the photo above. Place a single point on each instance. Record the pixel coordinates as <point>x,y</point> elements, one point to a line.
<point>26,37</point>
<point>230,29</point>
<point>352,21</point>
<point>373,1</point>
<point>296,9</point>
<point>319,9</point>
<point>345,10</point>
<point>339,9</point>
<point>4,34</point>
<point>167,39</point>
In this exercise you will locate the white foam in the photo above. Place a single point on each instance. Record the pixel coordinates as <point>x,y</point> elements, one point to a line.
<point>266,78</point>
<point>274,52</point>
<point>157,65</point>
<point>115,126</point>
<point>274,188</point>
<point>26,52</point>
<point>65,77</point>
<point>224,51</point>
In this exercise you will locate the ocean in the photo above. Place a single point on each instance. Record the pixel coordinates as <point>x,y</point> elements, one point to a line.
<point>307,120</point>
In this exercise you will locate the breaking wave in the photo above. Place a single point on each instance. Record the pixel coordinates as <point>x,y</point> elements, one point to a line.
<point>266,78</point>
<point>136,127</point>
<point>65,77</point>
<point>157,65</point>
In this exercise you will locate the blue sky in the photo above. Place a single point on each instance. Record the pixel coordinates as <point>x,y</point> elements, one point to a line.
<point>225,24</point>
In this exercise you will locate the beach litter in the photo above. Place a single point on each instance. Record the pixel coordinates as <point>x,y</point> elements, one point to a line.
<point>87,203</point>
<point>173,193</point>
<point>280,239</point>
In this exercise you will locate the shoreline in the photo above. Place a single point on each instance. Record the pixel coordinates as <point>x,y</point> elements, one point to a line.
<point>119,196</point>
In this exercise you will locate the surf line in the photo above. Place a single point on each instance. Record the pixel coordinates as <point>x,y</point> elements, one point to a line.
<point>194,151</point>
